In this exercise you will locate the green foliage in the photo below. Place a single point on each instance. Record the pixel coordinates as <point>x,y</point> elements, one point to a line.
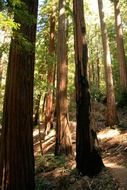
<point>15,3</point>
<point>3,4</point>
<point>42,184</point>
<point>40,72</point>
<point>43,59</point>
<point>7,22</point>
<point>64,183</point>
<point>122,99</point>
<point>4,48</point>
<point>23,42</point>
<point>96,94</point>
<point>23,16</point>
<point>50,162</point>
<point>69,8</point>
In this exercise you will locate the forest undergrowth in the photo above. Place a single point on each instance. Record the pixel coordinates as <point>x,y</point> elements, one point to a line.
<point>59,173</point>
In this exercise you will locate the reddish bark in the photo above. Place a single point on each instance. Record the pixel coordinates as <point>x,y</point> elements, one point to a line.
<point>16,158</point>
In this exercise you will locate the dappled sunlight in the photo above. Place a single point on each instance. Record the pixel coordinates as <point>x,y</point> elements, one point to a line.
<point>119,172</point>
<point>48,147</point>
<point>60,172</point>
<point>108,163</point>
<point>47,142</point>
<point>51,134</point>
<point>108,133</point>
<point>36,150</point>
<point>36,132</point>
<point>62,11</point>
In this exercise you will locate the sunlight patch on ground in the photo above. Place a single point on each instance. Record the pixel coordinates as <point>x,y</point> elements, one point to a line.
<point>119,172</point>
<point>110,164</point>
<point>48,147</point>
<point>106,134</point>
<point>51,134</point>
<point>35,132</point>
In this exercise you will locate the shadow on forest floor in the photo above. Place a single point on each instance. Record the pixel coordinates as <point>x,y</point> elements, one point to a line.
<point>59,173</point>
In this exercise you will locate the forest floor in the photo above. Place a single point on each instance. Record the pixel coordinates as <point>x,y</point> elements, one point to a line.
<point>59,173</point>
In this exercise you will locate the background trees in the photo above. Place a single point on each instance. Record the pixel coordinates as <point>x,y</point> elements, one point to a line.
<point>18,94</point>
<point>111,107</point>
<point>63,136</point>
<point>120,46</point>
<point>50,75</point>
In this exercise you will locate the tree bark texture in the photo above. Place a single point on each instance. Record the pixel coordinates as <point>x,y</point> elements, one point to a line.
<point>63,136</point>
<point>120,47</point>
<point>16,158</point>
<point>112,118</point>
<point>36,110</point>
<point>98,72</point>
<point>50,76</point>
<point>88,159</point>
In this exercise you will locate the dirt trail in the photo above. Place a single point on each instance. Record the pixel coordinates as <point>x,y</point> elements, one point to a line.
<point>118,172</point>
<point>114,145</point>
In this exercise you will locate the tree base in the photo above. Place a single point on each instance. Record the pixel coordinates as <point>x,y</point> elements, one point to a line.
<point>91,164</point>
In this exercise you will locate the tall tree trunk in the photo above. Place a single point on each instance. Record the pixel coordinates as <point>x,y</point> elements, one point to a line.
<point>1,68</point>
<point>88,159</point>
<point>16,155</point>
<point>120,47</point>
<point>89,75</point>
<point>36,110</point>
<point>63,136</point>
<point>112,118</point>
<point>93,72</point>
<point>50,76</point>
<point>98,72</point>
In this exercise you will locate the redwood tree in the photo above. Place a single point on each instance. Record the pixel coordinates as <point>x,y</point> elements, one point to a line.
<point>16,156</point>
<point>120,46</point>
<point>63,137</point>
<point>50,75</point>
<point>88,159</point>
<point>111,114</point>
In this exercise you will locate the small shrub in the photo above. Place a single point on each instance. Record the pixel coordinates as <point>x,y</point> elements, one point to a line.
<point>49,162</point>
<point>97,95</point>
<point>122,99</point>
<point>42,184</point>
